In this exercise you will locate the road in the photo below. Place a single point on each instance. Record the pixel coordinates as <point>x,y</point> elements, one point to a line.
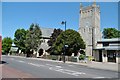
<point>18,67</point>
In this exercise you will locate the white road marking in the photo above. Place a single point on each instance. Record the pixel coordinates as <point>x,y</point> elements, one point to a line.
<point>58,69</point>
<point>98,77</point>
<point>21,61</point>
<point>37,65</point>
<point>75,73</point>
<point>70,65</point>
<point>54,66</point>
<point>58,66</point>
<point>50,65</point>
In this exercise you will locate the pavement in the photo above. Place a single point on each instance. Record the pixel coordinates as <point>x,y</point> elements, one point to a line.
<point>92,64</point>
<point>21,67</point>
<point>9,72</point>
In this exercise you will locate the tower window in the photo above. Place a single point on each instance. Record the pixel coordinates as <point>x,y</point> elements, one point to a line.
<point>84,30</point>
<point>89,29</point>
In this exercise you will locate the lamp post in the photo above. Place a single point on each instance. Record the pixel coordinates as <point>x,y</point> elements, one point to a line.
<point>92,40</point>
<point>64,23</point>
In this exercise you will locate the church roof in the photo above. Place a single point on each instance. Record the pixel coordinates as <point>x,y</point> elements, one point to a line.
<point>46,32</point>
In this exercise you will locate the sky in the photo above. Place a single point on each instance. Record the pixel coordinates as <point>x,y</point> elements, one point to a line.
<point>17,15</point>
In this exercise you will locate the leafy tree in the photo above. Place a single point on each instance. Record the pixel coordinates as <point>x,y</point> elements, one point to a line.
<point>20,37</point>
<point>111,33</point>
<point>71,38</point>
<point>33,37</point>
<point>53,38</point>
<point>118,34</point>
<point>6,44</point>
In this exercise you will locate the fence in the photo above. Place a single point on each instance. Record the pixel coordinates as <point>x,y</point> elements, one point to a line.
<point>59,58</point>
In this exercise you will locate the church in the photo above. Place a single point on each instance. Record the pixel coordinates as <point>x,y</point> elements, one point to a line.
<point>102,50</point>
<point>89,26</point>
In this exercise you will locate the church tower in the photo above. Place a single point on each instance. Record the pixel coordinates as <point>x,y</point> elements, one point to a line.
<point>89,26</point>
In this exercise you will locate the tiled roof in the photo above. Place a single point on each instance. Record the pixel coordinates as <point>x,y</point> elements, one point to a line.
<point>46,32</point>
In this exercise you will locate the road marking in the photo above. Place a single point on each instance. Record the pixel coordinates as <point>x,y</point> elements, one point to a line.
<point>21,61</point>
<point>75,73</point>
<point>70,65</point>
<point>54,66</point>
<point>37,65</point>
<point>58,66</point>
<point>50,65</point>
<point>98,77</point>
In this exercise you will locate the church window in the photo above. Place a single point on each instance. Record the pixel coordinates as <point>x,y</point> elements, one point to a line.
<point>84,30</point>
<point>89,29</point>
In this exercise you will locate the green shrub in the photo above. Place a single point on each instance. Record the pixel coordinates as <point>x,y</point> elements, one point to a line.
<point>90,58</point>
<point>81,57</point>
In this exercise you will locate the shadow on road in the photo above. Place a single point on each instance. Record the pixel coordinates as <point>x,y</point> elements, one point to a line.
<point>3,62</point>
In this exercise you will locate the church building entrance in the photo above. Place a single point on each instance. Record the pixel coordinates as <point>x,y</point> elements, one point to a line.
<point>100,55</point>
<point>40,52</point>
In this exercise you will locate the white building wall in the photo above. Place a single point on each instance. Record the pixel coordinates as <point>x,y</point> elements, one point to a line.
<point>104,56</point>
<point>117,56</point>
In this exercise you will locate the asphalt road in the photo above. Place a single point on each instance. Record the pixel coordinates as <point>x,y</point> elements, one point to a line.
<point>32,68</point>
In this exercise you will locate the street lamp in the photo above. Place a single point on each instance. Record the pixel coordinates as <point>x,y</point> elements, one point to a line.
<point>64,23</point>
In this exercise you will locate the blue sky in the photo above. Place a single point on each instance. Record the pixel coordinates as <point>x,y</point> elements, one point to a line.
<point>50,14</point>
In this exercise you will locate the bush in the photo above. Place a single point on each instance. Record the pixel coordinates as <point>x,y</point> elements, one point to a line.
<point>81,57</point>
<point>90,58</point>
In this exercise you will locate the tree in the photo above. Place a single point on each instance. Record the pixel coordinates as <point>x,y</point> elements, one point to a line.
<point>6,44</point>
<point>20,38</point>
<point>54,35</point>
<point>33,37</point>
<point>111,33</point>
<point>53,38</point>
<point>71,38</point>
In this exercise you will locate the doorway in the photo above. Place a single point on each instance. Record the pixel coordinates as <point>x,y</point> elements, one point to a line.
<point>100,55</point>
<point>40,52</point>
<point>111,56</point>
